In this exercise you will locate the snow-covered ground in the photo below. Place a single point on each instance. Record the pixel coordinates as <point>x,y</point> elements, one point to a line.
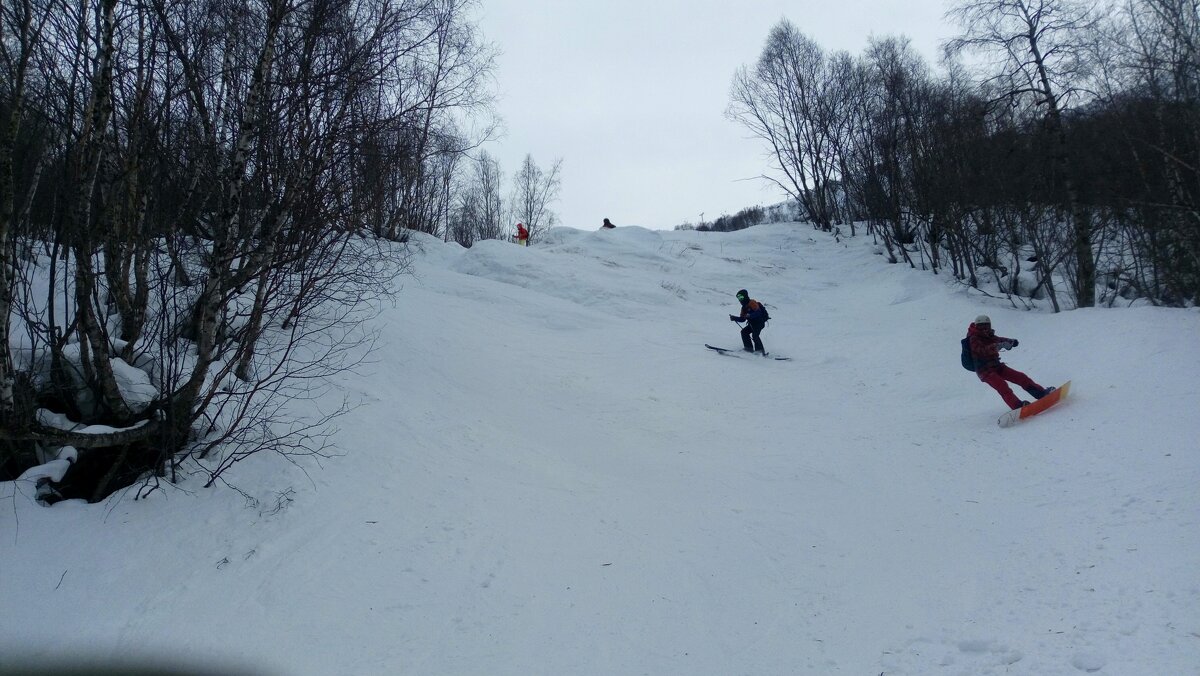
<point>547,473</point>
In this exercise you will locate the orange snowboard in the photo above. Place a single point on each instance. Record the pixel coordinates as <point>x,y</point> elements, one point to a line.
<point>1036,407</point>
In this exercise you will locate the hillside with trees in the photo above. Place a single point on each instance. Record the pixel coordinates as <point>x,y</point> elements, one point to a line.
<point>201,202</point>
<point>1058,152</point>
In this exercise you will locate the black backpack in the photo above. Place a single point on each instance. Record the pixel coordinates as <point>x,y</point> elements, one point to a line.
<point>968,362</point>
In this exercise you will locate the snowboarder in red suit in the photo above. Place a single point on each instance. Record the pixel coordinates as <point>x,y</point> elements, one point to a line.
<point>985,350</point>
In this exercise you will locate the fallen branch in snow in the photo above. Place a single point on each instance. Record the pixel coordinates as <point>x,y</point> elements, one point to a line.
<point>83,438</point>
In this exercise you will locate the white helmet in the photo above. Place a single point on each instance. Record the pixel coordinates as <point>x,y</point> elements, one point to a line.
<point>983,319</point>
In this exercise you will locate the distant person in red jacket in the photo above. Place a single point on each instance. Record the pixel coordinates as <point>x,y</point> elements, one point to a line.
<point>607,225</point>
<point>985,350</point>
<point>522,234</point>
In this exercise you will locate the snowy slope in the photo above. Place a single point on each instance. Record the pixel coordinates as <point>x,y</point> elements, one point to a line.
<point>547,473</point>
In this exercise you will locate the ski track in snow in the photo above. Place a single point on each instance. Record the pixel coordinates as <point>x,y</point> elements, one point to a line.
<point>548,473</point>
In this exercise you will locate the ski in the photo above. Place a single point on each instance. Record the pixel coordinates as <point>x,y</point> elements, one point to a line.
<point>740,352</point>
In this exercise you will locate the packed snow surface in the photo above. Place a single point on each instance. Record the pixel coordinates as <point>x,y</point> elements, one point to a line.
<point>547,473</point>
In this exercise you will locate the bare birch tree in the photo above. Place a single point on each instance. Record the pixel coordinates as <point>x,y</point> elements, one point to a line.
<point>1158,43</point>
<point>783,101</point>
<point>488,179</point>
<point>1038,50</point>
<point>21,33</point>
<point>534,190</point>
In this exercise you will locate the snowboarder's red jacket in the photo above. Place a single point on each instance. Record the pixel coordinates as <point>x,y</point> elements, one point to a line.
<point>985,348</point>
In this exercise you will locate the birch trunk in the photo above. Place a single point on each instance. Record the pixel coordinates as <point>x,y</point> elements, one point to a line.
<point>209,305</point>
<point>97,362</point>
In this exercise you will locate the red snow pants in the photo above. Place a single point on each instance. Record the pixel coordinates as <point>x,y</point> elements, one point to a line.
<point>996,378</point>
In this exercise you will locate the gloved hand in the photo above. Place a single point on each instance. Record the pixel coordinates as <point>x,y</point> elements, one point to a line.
<point>1005,344</point>
<point>1015,342</point>
<point>734,318</point>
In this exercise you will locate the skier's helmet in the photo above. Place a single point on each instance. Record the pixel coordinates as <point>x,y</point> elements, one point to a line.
<point>743,295</point>
<point>983,319</point>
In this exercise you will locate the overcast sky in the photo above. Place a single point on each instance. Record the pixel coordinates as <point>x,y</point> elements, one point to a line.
<point>631,94</point>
